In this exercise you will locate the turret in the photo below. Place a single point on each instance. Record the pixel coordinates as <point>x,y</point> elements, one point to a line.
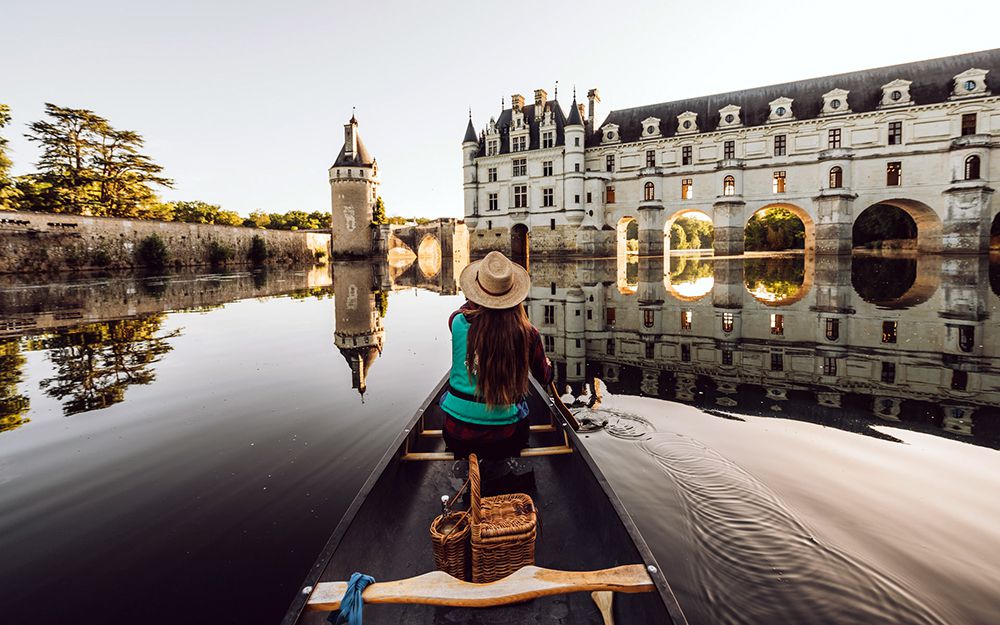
<point>575,133</point>
<point>353,189</point>
<point>470,148</point>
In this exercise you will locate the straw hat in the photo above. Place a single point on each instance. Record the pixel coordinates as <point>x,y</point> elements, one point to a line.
<point>495,282</point>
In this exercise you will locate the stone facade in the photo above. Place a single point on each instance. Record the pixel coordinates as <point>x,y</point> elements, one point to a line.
<point>921,137</point>
<point>59,242</point>
<point>353,192</point>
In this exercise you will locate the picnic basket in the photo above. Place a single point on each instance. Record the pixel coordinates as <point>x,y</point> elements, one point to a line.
<point>502,530</point>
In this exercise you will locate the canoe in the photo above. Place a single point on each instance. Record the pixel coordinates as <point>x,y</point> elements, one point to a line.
<point>586,540</point>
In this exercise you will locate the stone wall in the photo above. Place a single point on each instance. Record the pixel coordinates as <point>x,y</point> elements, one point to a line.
<point>33,242</point>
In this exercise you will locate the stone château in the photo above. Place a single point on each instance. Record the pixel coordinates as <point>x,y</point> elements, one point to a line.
<point>917,136</point>
<point>353,192</point>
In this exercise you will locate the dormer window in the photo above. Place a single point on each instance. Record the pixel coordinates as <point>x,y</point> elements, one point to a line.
<point>687,123</point>
<point>610,133</point>
<point>781,110</point>
<point>548,139</point>
<point>650,128</point>
<point>729,116</point>
<point>518,144</point>
<point>896,93</point>
<point>835,102</point>
<point>492,147</point>
<point>970,83</point>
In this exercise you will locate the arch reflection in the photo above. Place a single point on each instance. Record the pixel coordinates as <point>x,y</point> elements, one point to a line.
<point>688,278</point>
<point>778,281</point>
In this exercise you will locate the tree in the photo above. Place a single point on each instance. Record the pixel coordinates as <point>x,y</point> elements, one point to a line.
<point>13,405</point>
<point>229,218</point>
<point>378,213</point>
<point>196,212</point>
<point>774,229</point>
<point>9,193</point>
<point>258,219</point>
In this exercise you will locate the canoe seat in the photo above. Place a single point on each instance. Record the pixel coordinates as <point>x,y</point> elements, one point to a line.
<point>529,582</point>
<point>527,452</point>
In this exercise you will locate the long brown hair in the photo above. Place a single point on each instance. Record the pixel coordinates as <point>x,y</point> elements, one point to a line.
<point>497,353</point>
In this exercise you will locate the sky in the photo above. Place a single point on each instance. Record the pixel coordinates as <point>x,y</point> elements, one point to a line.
<point>244,103</point>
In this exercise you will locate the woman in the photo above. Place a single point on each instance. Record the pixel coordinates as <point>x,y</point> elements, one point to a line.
<point>493,347</point>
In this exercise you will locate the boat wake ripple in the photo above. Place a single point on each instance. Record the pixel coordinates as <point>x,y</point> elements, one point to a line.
<point>756,563</point>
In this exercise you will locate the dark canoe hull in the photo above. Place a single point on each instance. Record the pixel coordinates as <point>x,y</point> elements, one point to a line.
<point>582,526</point>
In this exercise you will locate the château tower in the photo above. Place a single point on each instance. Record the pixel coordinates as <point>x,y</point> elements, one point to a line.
<point>358,332</point>
<point>353,190</point>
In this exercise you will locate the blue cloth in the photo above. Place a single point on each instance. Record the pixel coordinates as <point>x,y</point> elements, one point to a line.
<point>352,603</point>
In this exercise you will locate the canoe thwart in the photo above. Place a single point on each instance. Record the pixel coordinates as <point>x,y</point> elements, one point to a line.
<point>527,452</point>
<point>529,582</point>
<point>534,428</point>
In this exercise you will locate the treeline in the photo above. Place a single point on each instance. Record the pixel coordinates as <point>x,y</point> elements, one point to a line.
<point>775,229</point>
<point>689,233</point>
<point>89,167</point>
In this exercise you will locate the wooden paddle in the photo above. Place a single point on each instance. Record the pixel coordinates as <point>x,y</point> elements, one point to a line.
<point>561,407</point>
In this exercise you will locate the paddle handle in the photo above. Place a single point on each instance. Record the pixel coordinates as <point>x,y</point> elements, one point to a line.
<point>561,407</point>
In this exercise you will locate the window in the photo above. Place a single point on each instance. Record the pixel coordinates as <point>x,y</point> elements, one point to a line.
<point>972,168</point>
<point>609,162</point>
<point>686,155</point>
<point>968,124</point>
<point>489,224</point>
<point>576,166</point>
<point>549,314</point>
<point>647,318</point>
<point>491,174</point>
<point>650,351</point>
<point>576,141</point>
<point>833,138</point>
<point>686,317</point>
<point>727,322</point>
<point>550,343</point>
<point>777,361</point>
<point>778,184</point>
<point>494,202</point>
<point>685,352</point>
<point>894,174</point>
<point>519,167</point>
<point>895,133</point>
<point>546,168</point>
<point>521,196</point>
<point>650,158</point>
<point>547,139</point>
<point>547,197</point>
<point>779,145</point>
<point>491,148</point>
<point>576,198</point>
<point>687,189</point>
<point>966,338</point>
<point>888,372</point>
<point>729,149</point>
<point>836,177</point>
<point>609,195</point>
<point>829,366</point>
<point>959,380</point>
<point>647,191</point>
<point>609,347</point>
<point>552,224</point>
<point>889,331</point>
<point>552,288</point>
<point>727,357</point>
<point>777,324</point>
<point>610,316</point>
<point>832,329</point>
<point>590,315</point>
<point>729,186</point>
<point>589,198</point>
<point>518,144</point>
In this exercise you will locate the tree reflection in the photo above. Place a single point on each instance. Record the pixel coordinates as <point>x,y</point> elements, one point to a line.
<point>95,363</point>
<point>774,279</point>
<point>13,405</point>
<point>880,279</point>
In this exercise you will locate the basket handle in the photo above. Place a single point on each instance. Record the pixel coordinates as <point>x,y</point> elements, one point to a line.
<point>474,488</point>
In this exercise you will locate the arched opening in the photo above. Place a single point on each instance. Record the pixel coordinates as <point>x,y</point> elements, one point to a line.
<point>519,245</point>
<point>972,168</point>
<point>729,186</point>
<point>778,281</point>
<point>628,255</point>
<point>897,224</point>
<point>779,227</point>
<point>995,273</point>
<point>688,278</point>
<point>648,192</point>
<point>995,234</point>
<point>688,231</point>
<point>429,256</point>
<point>836,177</point>
<point>895,282</point>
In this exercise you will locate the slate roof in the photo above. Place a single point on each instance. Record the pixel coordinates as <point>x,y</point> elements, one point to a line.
<point>361,158</point>
<point>932,82</point>
<point>574,115</point>
<point>534,137</point>
<point>470,133</point>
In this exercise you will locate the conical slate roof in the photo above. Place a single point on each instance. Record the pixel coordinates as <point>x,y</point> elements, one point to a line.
<point>470,133</point>
<point>574,115</point>
<point>361,158</point>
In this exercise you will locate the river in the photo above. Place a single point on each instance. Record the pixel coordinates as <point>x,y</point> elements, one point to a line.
<point>799,439</point>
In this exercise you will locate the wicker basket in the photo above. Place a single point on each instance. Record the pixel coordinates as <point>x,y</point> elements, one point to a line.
<point>503,531</point>
<point>450,537</point>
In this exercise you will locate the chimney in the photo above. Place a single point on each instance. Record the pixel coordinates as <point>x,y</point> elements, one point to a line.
<point>351,138</point>
<point>541,97</point>
<point>593,96</point>
<point>517,102</point>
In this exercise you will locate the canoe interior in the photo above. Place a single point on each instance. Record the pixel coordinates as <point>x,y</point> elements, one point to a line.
<point>579,529</point>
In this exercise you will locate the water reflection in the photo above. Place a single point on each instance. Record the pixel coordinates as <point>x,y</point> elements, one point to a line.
<point>13,404</point>
<point>829,340</point>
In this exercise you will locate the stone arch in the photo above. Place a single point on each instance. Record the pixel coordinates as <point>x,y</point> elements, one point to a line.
<point>429,256</point>
<point>520,245</point>
<point>895,282</point>
<point>809,226</point>
<point>668,225</point>
<point>771,280</point>
<point>627,254</point>
<point>688,278</point>
<point>995,233</point>
<point>927,222</point>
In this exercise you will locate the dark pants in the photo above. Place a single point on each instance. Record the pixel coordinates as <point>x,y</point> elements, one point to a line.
<point>488,442</point>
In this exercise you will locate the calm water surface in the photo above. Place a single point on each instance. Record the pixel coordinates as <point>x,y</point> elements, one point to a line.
<point>178,450</point>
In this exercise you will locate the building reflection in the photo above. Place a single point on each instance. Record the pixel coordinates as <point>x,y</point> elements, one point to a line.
<point>846,342</point>
<point>360,303</point>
